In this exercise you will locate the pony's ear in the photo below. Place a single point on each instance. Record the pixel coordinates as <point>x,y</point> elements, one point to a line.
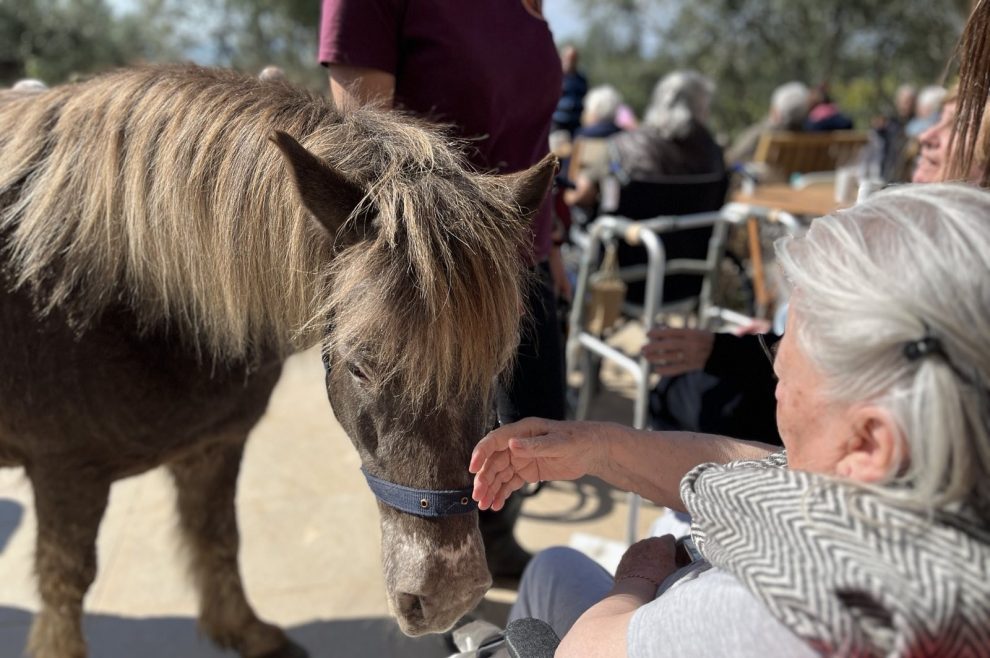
<point>530,186</point>
<point>325,192</point>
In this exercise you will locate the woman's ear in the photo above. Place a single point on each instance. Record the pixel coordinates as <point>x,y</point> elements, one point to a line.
<point>877,450</point>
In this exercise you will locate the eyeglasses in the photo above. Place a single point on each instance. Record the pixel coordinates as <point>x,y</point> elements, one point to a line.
<point>770,352</point>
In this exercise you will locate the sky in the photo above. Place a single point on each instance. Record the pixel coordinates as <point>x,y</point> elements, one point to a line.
<point>564,19</point>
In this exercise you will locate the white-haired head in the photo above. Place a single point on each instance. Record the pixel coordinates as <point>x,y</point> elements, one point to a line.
<point>789,105</point>
<point>679,99</point>
<point>600,104</point>
<point>29,84</point>
<point>909,264</point>
<point>272,73</point>
<point>930,100</point>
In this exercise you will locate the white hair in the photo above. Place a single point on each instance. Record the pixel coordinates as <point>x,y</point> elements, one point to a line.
<point>601,103</point>
<point>679,98</point>
<point>29,84</point>
<point>930,100</point>
<point>908,263</point>
<point>789,103</point>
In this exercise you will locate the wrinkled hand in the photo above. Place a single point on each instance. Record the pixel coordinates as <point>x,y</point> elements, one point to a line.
<point>676,351</point>
<point>754,326</point>
<point>652,559</point>
<point>532,450</point>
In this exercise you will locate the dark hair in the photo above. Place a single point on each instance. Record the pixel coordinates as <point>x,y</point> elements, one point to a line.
<point>973,55</point>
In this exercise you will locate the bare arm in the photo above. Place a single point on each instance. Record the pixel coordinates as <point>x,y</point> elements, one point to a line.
<point>602,629</point>
<point>585,193</point>
<point>354,86</point>
<point>648,463</point>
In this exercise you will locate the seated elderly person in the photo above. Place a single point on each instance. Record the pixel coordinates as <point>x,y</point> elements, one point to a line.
<point>673,139</point>
<point>870,534</point>
<point>926,110</point>
<point>600,107</point>
<point>597,124</point>
<point>788,111</point>
<point>673,146</point>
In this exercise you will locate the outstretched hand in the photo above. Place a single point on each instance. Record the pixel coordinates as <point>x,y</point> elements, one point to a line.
<point>532,450</point>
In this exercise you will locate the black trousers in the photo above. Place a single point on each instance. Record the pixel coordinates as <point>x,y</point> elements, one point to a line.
<point>536,384</point>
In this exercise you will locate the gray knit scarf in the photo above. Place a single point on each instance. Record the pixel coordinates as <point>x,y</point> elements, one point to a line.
<point>848,572</point>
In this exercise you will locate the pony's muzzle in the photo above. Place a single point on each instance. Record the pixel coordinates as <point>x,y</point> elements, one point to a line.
<point>432,578</point>
<point>438,611</point>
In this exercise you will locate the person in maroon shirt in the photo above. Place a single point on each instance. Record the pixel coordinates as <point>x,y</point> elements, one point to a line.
<point>489,69</point>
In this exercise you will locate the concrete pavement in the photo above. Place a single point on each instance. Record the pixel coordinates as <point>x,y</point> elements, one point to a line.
<point>310,544</point>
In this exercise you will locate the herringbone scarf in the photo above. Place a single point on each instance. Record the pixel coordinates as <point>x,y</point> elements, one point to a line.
<point>845,570</point>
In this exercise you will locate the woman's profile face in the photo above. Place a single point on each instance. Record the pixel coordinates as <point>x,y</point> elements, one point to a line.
<point>815,430</point>
<point>933,161</point>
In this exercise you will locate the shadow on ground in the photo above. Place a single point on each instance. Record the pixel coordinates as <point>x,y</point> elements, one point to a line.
<point>111,636</point>
<point>589,499</point>
<point>11,513</point>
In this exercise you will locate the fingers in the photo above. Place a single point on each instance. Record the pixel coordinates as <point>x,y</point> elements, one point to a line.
<point>498,439</point>
<point>676,351</point>
<point>497,468</point>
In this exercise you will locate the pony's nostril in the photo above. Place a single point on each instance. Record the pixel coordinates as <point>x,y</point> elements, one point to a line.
<point>410,606</point>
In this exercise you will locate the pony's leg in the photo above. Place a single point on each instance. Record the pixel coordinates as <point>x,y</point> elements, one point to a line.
<point>206,483</point>
<point>69,510</point>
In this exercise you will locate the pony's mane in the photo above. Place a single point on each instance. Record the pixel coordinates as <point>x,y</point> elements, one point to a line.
<point>158,189</point>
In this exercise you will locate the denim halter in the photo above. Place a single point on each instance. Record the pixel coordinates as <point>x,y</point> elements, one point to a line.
<point>422,502</point>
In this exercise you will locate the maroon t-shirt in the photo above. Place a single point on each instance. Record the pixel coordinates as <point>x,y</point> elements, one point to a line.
<point>489,67</point>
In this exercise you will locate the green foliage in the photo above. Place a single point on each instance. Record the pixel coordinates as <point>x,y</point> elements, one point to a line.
<point>252,34</point>
<point>55,40</point>
<point>862,49</point>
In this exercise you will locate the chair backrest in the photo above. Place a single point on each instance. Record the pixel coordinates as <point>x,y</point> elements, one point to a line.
<point>796,152</point>
<point>684,195</point>
<point>589,156</point>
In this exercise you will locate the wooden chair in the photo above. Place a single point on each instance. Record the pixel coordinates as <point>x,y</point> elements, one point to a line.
<point>588,154</point>
<point>787,153</point>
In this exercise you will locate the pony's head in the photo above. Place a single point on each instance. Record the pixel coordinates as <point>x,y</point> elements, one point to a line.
<point>422,314</point>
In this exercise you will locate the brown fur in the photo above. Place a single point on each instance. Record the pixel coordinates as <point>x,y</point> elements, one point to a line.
<point>161,259</point>
<point>159,188</point>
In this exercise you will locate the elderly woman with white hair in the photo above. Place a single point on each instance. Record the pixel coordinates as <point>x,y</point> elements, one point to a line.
<point>673,139</point>
<point>788,111</point>
<point>870,534</point>
<point>600,107</point>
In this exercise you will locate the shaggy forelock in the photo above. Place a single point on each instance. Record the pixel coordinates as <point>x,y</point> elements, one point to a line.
<point>434,297</point>
<point>158,189</point>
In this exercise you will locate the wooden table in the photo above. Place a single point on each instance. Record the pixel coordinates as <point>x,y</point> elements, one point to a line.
<point>811,201</point>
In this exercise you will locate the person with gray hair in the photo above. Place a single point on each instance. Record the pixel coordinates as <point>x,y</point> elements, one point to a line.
<point>788,110</point>
<point>598,118</point>
<point>926,110</point>
<point>673,139</point>
<point>870,533</point>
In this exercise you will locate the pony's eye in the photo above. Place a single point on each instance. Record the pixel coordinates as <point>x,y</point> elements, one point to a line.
<point>357,372</point>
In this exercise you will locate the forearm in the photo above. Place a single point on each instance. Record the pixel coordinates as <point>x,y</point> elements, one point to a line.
<point>652,464</point>
<point>354,86</point>
<point>601,630</point>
